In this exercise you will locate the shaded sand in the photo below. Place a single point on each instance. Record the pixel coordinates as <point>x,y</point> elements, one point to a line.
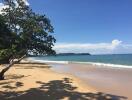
<point>39,82</point>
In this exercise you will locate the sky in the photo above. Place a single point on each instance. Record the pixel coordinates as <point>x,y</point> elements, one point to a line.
<point>94,26</point>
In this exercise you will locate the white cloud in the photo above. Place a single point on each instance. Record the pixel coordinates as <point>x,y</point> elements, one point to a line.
<point>116,42</point>
<point>115,46</point>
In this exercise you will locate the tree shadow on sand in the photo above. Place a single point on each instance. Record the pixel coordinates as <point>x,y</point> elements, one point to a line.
<point>17,85</point>
<point>12,84</point>
<point>31,66</point>
<point>57,90</point>
<point>14,76</point>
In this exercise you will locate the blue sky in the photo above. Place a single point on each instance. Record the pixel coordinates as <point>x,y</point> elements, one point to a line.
<point>90,23</point>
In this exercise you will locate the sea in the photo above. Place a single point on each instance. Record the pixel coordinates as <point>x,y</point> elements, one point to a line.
<point>110,60</point>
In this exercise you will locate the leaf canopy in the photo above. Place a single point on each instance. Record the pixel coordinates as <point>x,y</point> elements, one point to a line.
<point>27,31</point>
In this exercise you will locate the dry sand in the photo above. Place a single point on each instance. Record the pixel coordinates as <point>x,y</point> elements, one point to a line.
<point>39,82</point>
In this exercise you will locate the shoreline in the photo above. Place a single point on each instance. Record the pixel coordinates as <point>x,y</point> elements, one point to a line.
<point>99,64</point>
<point>109,80</point>
<point>23,80</point>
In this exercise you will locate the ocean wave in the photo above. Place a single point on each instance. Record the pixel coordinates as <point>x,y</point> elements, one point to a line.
<point>76,62</point>
<point>104,64</point>
<point>46,61</point>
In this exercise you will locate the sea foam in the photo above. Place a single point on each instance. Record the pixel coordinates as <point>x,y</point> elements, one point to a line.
<point>76,62</point>
<point>104,64</point>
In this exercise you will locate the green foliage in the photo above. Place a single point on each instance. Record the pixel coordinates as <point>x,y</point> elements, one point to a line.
<point>6,38</point>
<point>26,30</point>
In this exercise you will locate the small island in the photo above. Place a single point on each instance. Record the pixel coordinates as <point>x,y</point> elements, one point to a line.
<point>69,54</point>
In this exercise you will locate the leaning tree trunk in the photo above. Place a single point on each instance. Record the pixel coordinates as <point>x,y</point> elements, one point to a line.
<point>12,62</point>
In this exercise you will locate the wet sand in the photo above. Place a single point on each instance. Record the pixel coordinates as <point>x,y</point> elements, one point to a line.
<point>117,81</point>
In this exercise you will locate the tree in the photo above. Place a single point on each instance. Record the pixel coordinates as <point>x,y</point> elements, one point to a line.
<point>31,31</point>
<point>6,41</point>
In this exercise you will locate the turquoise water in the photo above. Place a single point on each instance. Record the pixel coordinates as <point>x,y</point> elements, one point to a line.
<point>118,59</point>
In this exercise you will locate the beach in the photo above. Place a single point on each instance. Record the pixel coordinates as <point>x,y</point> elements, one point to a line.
<point>41,82</point>
<point>106,79</point>
<point>65,50</point>
<point>38,82</point>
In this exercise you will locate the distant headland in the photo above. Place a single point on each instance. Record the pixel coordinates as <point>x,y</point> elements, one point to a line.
<point>66,54</point>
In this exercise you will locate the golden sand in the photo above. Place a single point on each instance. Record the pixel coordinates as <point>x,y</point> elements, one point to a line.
<point>38,80</point>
